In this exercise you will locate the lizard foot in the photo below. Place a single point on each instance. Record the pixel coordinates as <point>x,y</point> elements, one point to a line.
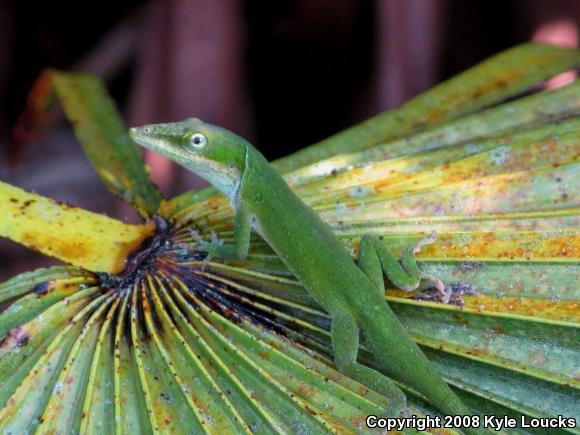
<point>195,236</point>
<point>215,240</point>
<point>203,246</point>
<point>453,294</point>
<point>426,241</point>
<point>206,261</point>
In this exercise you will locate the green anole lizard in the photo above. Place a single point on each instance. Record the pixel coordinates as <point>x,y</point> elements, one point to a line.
<point>352,293</point>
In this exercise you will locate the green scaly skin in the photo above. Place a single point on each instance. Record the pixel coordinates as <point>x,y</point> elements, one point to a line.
<point>352,294</point>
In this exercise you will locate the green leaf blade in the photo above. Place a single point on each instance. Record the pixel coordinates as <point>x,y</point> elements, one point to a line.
<point>498,78</point>
<point>98,126</point>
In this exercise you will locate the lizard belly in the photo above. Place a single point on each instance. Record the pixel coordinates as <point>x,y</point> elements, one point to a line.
<point>303,241</point>
<point>311,251</point>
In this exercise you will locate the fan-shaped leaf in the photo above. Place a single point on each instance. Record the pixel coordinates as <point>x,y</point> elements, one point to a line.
<point>68,233</point>
<point>179,343</point>
<point>100,130</point>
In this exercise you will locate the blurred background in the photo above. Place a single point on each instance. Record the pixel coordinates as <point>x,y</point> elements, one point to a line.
<point>284,73</point>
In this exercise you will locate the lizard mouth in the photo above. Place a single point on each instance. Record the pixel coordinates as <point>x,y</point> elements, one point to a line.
<point>146,137</point>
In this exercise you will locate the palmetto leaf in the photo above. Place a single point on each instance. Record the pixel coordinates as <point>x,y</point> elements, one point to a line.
<point>496,79</point>
<point>100,131</point>
<point>69,233</point>
<point>179,344</point>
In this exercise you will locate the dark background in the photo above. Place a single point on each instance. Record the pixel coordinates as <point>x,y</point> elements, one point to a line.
<point>283,73</point>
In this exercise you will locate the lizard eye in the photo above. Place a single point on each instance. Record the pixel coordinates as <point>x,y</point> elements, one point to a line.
<point>197,141</point>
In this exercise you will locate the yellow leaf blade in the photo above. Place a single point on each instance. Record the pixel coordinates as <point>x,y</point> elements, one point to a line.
<point>71,234</point>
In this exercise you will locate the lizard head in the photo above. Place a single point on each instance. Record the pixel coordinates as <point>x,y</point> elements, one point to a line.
<point>213,153</point>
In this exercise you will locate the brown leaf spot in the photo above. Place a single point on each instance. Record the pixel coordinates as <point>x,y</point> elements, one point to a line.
<point>41,288</point>
<point>263,355</point>
<point>16,337</point>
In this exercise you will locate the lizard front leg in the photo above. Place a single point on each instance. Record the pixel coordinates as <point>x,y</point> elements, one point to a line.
<point>374,259</point>
<point>345,343</point>
<point>242,234</point>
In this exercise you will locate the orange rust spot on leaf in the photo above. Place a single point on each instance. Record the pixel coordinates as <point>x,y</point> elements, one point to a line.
<point>513,246</point>
<point>562,310</point>
<point>460,318</point>
<point>305,390</point>
<point>263,354</point>
<point>57,247</point>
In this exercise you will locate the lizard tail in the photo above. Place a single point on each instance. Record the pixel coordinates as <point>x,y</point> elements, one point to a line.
<point>401,359</point>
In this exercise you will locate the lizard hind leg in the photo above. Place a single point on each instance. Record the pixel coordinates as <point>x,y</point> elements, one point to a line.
<point>368,261</point>
<point>374,259</point>
<point>345,342</point>
<point>409,262</point>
